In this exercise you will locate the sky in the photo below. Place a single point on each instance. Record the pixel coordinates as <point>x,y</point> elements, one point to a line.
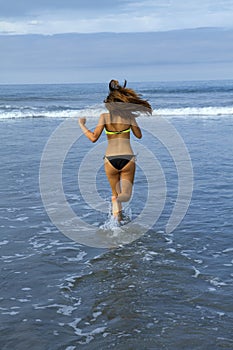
<point>91,16</point>
<point>169,27</point>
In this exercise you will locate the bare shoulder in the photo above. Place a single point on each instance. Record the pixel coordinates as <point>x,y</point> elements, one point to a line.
<point>133,121</point>
<point>104,117</point>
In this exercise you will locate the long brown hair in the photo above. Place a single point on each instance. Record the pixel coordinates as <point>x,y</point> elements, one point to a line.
<point>125,102</point>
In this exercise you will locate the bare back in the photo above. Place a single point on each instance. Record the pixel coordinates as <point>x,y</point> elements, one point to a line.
<point>118,144</point>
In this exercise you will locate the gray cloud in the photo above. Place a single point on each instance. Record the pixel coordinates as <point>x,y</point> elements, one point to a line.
<point>181,55</point>
<point>91,16</point>
<point>13,8</point>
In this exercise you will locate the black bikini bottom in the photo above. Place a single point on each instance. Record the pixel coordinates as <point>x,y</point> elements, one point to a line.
<point>120,161</point>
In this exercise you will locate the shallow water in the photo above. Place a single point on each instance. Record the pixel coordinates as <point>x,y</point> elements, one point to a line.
<point>162,291</point>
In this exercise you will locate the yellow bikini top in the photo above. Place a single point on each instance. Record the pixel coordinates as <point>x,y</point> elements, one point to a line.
<point>108,132</point>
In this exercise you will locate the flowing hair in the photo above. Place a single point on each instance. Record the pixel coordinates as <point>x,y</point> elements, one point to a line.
<point>125,102</point>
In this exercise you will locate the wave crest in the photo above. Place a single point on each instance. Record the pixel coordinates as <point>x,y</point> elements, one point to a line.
<point>61,112</point>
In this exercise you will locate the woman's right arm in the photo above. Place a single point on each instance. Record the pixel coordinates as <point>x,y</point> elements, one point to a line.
<point>135,128</point>
<point>92,136</point>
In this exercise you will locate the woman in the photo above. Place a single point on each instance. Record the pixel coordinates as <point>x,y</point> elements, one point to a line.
<point>123,105</point>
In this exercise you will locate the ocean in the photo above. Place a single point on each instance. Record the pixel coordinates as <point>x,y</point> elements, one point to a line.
<point>70,277</point>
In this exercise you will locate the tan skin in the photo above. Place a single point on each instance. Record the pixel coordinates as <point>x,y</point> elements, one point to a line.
<point>121,182</point>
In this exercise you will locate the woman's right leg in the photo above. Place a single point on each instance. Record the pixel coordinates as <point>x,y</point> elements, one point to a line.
<point>113,176</point>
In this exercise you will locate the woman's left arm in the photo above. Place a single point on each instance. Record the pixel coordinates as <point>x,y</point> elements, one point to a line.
<point>135,128</point>
<point>92,136</point>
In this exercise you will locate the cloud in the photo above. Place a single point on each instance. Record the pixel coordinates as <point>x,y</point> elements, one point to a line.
<point>180,55</point>
<point>90,16</point>
<point>70,23</point>
<point>24,8</point>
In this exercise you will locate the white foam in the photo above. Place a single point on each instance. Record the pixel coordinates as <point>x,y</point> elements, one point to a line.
<point>217,283</point>
<point>95,111</point>
<point>195,111</point>
<point>66,310</point>
<point>197,272</point>
<point>26,289</point>
<point>111,224</point>
<point>78,257</point>
<point>11,313</point>
<point>228,250</point>
<point>88,335</point>
<point>4,242</point>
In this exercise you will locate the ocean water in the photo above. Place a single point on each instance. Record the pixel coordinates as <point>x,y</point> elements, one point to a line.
<point>164,290</point>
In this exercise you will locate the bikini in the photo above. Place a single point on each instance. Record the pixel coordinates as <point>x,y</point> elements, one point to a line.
<point>121,160</point>
<point>108,132</point>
